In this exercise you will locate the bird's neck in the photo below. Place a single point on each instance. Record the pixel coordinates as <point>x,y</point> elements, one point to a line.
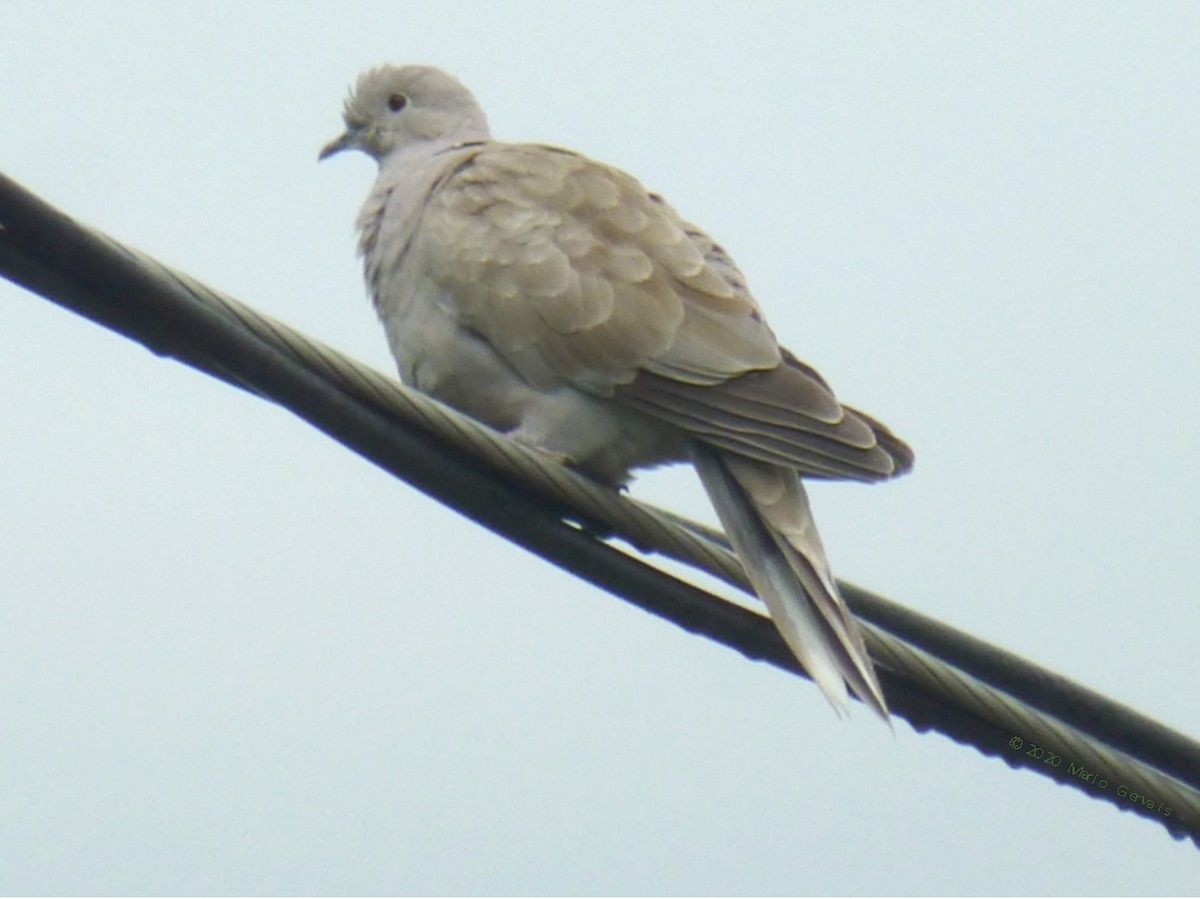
<point>413,163</point>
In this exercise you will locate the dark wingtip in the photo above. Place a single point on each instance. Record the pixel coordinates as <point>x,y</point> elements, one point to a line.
<point>900,452</point>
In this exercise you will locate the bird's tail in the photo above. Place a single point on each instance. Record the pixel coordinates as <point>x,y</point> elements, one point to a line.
<point>764,510</point>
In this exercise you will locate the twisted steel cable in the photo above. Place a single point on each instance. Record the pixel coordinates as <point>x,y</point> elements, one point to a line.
<point>935,677</point>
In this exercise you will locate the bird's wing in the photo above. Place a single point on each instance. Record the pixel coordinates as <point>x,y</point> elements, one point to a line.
<point>576,274</point>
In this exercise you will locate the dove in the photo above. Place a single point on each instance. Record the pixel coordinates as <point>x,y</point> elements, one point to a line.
<point>562,303</point>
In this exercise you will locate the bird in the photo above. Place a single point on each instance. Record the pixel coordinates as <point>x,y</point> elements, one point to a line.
<point>559,301</point>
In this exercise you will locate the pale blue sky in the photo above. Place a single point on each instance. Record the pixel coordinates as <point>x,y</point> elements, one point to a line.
<point>237,658</point>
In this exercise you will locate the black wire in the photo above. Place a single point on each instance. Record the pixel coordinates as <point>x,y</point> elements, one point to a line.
<point>52,255</point>
<point>1118,725</point>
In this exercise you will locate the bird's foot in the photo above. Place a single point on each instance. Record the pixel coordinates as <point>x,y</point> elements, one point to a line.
<point>553,455</point>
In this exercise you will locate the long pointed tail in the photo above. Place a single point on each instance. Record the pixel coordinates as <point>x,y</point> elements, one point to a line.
<point>764,510</point>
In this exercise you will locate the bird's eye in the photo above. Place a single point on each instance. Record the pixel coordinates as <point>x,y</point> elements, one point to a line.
<point>397,102</point>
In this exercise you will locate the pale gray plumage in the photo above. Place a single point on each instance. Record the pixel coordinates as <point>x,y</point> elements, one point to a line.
<point>558,300</point>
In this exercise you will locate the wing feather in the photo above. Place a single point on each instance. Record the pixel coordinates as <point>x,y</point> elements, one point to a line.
<point>578,275</point>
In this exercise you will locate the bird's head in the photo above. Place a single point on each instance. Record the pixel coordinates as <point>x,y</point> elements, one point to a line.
<point>392,108</point>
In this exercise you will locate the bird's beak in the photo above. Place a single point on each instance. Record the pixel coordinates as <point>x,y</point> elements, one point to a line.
<point>350,139</point>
